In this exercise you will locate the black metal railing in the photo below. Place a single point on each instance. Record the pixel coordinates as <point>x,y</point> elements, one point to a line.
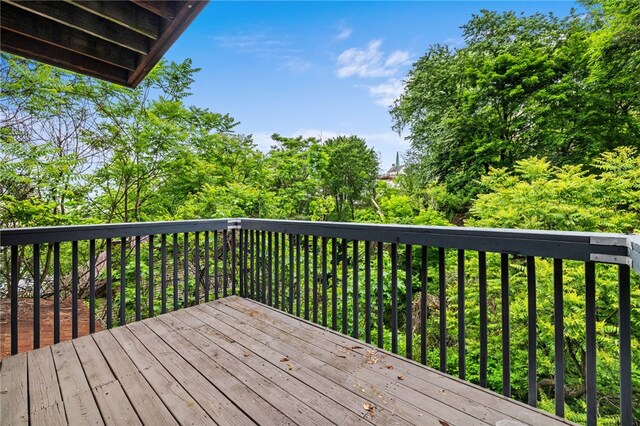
<point>457,299</point>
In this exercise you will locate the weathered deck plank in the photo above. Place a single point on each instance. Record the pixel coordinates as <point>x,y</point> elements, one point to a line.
<point>235,361</point>
<point>369,367</point>
<point>201,389</point>
<point>79,404</point>
<point>264,401</point>
<point>45,400</point>
<point>293,397</point>
<point>114,405</point>
<point>147,404</point>
<point>13,389</point>
<point>426,379</point>
<point>182,405</point>
<point>335,369</point>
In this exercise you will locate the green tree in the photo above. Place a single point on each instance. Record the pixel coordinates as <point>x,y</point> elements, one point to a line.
<point>351,173</point>
<point>522,86</point>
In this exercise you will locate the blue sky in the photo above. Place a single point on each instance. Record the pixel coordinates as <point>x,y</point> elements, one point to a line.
<point>321,68</point>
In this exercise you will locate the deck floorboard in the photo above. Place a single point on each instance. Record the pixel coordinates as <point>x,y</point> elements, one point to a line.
<point>235,361</point>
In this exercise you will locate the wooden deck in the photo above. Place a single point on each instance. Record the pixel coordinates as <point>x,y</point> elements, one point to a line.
<point>237,362</point>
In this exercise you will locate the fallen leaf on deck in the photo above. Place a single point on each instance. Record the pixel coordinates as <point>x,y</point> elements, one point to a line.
<point>285,359</point>
<point>290,366</point>
<point>444,423</point>
<point>369,407</point>
<point>401,377</point>
<point>389,366</point>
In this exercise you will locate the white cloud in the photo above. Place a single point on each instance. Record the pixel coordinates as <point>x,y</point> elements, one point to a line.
<point>344,34</point>
<point>385,93</point>
<point>264,44</point>
<point>263,140</point>
<point>370,61</point>
<point>399,57</point>
<point>296,65</point>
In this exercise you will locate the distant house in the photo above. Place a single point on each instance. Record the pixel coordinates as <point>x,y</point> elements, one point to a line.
<point>395,170</point>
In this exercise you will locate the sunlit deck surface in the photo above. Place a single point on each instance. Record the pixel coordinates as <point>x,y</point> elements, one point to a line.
<point>235,361</point>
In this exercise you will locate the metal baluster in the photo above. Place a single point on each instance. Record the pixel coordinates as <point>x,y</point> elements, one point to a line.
<point>345,274</point>
<point>216,280</point>
<point>74,289</point>
<point>367,291</point>
<point>123,280</point>
<point>461,318</point>
<point>482,278</point>
<point>14,299</point>
<point>207,259</point>
<point>380,296</point>
<point>269,267</point>
<point>276,269</point>
<point>291,271</point>
<point>163,271</point>
<point>151,285</point>
<point>283,289</point>
<point>394,298</point>
<point>138,278</point>
<point>356,302</point>
<point>624,301</point>
<point>590,307</point>
<point>225,274</point>
<point>109,284</point>
<point>265,270</point>
<point>532,338</point>
<point>297,286</point>
<point>92,286</point>
<point>442,294</point>
<point>233,263</point>
<point>175,272</point>
<point>36,296</point>
<point>186,271</point>
<point>409,302</point>
<point>506,329</point>
<point>315,279</point>
<point>334,283</point>
<point>324,281</point>
<point>196,261</point>
<point>558,319</point>
<point>253,262</point>
<point>423,304</point>
<point>306,277</point>
<point>56,292</point>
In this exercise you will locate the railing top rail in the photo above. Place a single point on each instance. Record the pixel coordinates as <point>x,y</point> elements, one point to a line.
<point>585,246</point>
<point>56,234</point>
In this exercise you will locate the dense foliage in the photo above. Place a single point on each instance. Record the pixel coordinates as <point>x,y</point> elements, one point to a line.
<point>534,124</point>
<point>566,89</point>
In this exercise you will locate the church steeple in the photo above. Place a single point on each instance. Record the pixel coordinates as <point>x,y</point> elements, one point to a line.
<point>397,158</point>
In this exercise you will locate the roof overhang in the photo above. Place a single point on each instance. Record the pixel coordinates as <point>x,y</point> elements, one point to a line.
<point>117,41</point>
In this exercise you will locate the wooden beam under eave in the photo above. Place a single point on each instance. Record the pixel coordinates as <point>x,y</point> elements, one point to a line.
<point>184,16</point>
<point>164,9</point>
<point>125,14</point>
<point>71,16</point>
<point>48,31</point>
<point>53,55</point>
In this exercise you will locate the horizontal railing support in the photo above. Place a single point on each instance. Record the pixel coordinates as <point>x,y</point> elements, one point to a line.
<point>584,246</point>
<point>58,234</point>
<point>612,248</point>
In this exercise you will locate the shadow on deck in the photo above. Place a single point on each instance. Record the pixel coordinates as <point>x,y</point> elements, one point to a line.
<point>235,361</point>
